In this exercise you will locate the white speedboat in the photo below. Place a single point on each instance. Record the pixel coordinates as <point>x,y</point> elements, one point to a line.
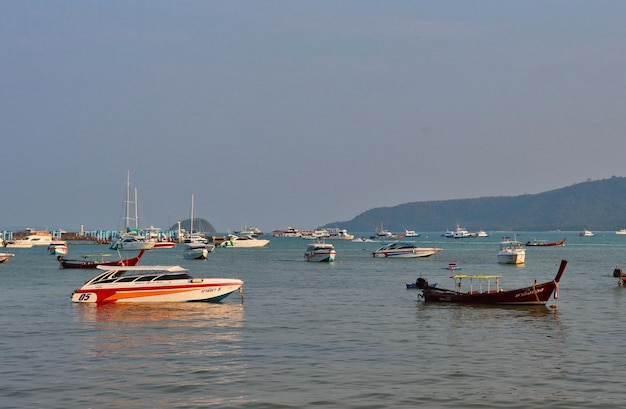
<point>5,256</point>
<point>401,249</point>
<point>130,242</point>
<point>58,248</point>
<point>621,231</point>
<point>320,251</point>
<point>195,251</point>
<point>137,284</point>
<point>511,252</point>
<point>243,241</point>
<point>586,233</point>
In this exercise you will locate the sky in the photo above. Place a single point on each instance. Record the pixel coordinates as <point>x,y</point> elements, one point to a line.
<point>300,113</point>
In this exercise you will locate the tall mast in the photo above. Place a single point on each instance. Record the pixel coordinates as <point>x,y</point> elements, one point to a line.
<point>191,226</point>
<point>127,203</point>
<point>136,213</point>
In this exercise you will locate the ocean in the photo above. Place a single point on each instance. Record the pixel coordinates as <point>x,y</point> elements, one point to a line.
<point>345,335</point>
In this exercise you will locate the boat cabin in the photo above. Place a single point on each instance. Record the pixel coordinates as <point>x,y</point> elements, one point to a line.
<point>128,274</point>
<point>478,284</point>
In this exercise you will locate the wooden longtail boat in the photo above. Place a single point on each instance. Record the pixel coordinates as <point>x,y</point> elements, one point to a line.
<point>536,294</point>
<point>86,263</point>
<point>543,243</point>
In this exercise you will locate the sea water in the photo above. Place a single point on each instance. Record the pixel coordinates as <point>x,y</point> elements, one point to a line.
<point>346,334</point>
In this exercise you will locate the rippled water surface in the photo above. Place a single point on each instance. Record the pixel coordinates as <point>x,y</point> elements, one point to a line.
<point>319,335</point>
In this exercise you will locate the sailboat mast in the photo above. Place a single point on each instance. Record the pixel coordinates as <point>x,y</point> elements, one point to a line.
<point>127,212</point>
<point>191,226</point>
<point>136,213</point>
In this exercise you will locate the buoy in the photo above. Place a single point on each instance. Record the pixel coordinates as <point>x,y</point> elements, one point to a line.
<point>553,306</point>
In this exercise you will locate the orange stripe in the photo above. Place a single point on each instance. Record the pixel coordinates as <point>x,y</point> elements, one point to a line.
<point>135,294</point>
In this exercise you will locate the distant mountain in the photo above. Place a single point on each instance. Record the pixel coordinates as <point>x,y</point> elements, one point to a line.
<point>595,205</point>
<point>199,225</point>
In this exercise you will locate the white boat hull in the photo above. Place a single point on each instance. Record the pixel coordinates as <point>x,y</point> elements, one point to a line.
<point>198,289</point>
<point>407,253</point>
<point>511,258</point>
<point>196,254</point>
<point>323,255</point>
<point>247,243</point>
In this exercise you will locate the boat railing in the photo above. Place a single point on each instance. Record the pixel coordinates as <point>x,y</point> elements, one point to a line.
<point>483,283</point>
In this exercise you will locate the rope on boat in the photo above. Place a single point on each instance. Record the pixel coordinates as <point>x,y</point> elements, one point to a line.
<point>535,291</point>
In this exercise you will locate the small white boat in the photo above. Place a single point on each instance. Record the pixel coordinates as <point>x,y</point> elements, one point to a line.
<point>586,233</point>
<point>130,242</point>
<point>400,249</point>
<point>5,256</point>
<point>58,248</point>
<point>621,231</point>
<point>410,233</point>
<point>141,284</point>
<point>195,251</point>
<point>243,241</point>
<point>511,252</point>
<point>320,251</point>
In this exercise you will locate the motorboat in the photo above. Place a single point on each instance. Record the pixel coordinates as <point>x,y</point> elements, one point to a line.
<point>459,233</point>
<point>163,244</point>
<point>335,233</point>
<point>315,234</point>
<point>5,256</point>
<point>586,233</point>
<point>288,232</point>
<point>195,251</point>
<point>403,249</point>
<point>483,290</point>
<point>511,252</point>
<point>249,230</point>
<point>91,261</point>
<point>534,242</point>
<point>621,231</point>
<point>383,234</point>
<point>481,233</point>
<point>141,284</point>
<point>243,241</point>
<point>131,242</point>
<point>36,238</point>
<point>58,247</point>
<point>320,251</point>
<point>411,233</point>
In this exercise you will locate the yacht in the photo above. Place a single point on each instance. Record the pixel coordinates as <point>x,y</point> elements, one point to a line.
<point>511,252</point>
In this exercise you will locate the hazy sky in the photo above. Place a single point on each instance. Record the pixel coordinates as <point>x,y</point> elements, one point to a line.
<point>301,113</point>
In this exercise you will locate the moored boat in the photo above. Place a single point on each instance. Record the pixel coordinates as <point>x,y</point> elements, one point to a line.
<point>320,251</point>
<point>5,256</point>
<point>195,251</point>
<point>511,252</point>
<point>534,242</point>
<point>153,284</point>
<point>35,238</point>
<point>586,233</point>
<point>403,249</point>
<point>243,241</point>
<point>90,261</point>
<point>481,291</point>
<point>131,242</point>
<point>58,247</point>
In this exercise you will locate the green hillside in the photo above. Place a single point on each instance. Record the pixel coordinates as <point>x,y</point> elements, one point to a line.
<point>595,205</point>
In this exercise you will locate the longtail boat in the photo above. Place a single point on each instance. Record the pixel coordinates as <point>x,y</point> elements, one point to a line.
<point>542,243</point>
<point>481,291</point>
<point>88,262</point>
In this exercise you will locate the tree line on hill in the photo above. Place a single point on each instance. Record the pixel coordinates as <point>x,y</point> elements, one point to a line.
<point>596,205</point>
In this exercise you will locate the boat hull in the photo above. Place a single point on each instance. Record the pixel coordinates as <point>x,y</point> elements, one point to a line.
<point>198,289</point>
<point>412,253</point>
<point>196,254</point>
<point>537,294</point>
<point>321,256</point>
<point>92,264</point>
<point>511,258</point>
